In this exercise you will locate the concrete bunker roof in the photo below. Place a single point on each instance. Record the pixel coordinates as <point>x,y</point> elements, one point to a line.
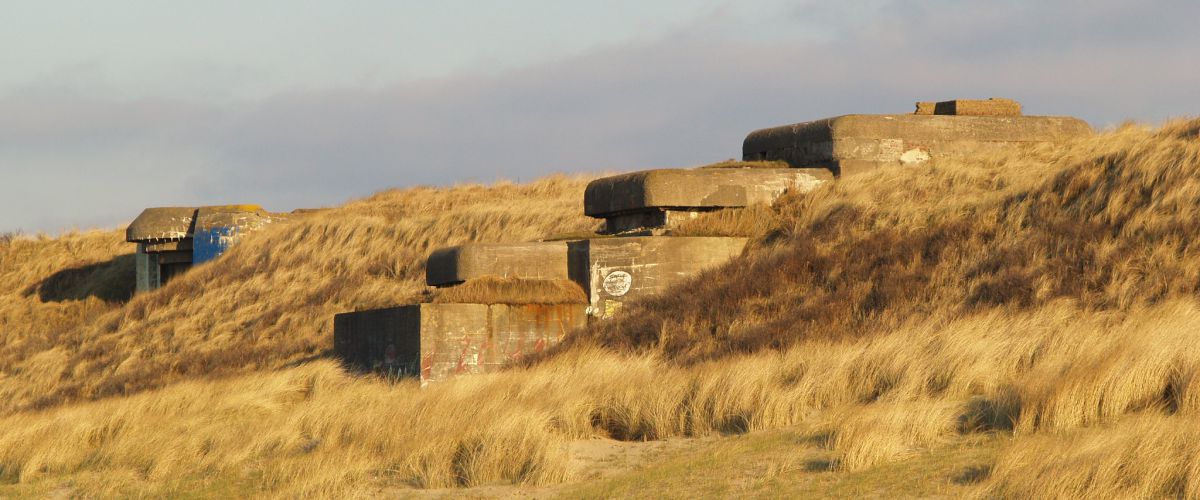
<point>701,188</point>
<point>159,224</point>
<point>913,127</point>
<point>529,260</point>
<point>208,218</point>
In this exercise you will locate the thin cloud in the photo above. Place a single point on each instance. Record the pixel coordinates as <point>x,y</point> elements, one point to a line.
<point>680,100</point>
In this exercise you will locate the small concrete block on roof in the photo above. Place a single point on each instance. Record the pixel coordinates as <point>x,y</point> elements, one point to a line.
<point>925,108</point>
<point>532,260</point>
<point>616,270</point>
<point>436,342</point>
<point>853,143</point>
<point>995,106</point>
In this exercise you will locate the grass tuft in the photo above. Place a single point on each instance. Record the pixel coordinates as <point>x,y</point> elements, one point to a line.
<point>500,290</point>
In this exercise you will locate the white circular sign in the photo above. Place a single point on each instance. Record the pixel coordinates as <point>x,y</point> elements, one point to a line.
<point>617,283</point>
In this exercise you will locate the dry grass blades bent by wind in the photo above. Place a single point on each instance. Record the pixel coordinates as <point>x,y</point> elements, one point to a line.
<point>886,398</point>
<point>1048,295</point>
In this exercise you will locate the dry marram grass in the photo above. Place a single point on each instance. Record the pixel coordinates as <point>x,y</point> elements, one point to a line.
<point>884,399</point>
<point>269,303</point>
<point>501,290</point>
<point>1048,295</point>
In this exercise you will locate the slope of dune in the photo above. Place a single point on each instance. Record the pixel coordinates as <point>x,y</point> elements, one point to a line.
<point>266,305</point>
<point>1010,325</point>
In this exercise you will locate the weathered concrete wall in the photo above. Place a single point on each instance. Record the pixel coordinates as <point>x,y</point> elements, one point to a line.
<point>168,271</point>
<point>212,242</point>
<point>146,269</point>
<point>533,260</point>
<point>219,228</point>
<point>183,245</point>
<point>440,341</point>
<point>474,338</point>
<point>853,143</point>
<point>382,340</point>
<point>616,270</point>
<point>704,188</point>
<point>653,219</point>
<point>157,264</point>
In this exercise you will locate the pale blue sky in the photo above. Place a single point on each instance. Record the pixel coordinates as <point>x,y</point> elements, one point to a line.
<point>108,107</point>
<point>221,49</point>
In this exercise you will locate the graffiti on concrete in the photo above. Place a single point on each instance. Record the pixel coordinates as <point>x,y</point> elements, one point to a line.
<point>617,283</point>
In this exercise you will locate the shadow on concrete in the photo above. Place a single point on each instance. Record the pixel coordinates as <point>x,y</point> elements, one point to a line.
<point>111,281</point>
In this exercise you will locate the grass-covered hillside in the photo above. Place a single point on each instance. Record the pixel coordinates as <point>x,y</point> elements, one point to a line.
<point>71,331</point>
<point>1004,326</point>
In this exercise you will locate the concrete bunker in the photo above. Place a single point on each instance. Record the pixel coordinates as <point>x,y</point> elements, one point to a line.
<point>849,144</point>
<point>635,256</point>
<point>170,240</point>
<point>663,198</point>
<point>435,342</point>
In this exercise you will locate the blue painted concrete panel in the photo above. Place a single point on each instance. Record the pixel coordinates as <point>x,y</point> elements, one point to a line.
<point>210,244</point>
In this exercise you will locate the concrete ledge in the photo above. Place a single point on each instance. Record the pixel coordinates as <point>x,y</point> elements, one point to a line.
<point>616,270</point>
<point>881,140</point>
<point>707,188</point>
<point>161,224</point>
<point>166,224</point>
<point>436,342</point>
<point>166,246</point>
<point>534,260</point>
